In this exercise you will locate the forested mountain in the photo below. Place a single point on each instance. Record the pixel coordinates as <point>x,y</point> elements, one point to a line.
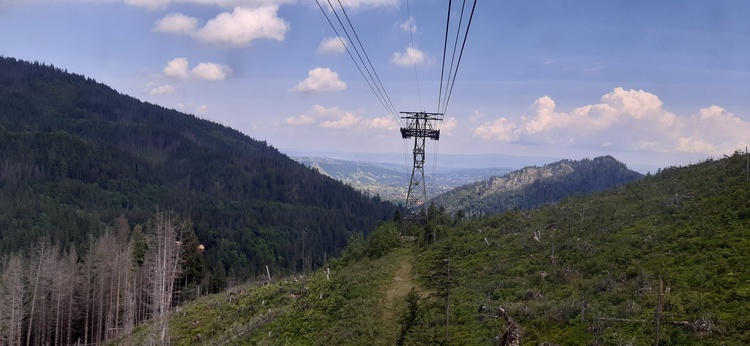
<point>534,186</point>
<point>75,155</point>
<point>662,260</point>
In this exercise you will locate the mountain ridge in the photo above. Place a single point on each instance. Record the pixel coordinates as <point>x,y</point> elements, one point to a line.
<point>100,154</point>
<point>536,185</point>
<point>390,180</point>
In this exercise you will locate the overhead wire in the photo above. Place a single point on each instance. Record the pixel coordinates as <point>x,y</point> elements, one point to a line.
<point>460,55</point>
<point>453,54</point>
<point>367,70</point>
<point>376,86</point>
<point>442,78</point>
<point>382,88</point>
<point>442,107</point>
<point>452,79</point>
<point>445,47</point>
<point>452,73</point>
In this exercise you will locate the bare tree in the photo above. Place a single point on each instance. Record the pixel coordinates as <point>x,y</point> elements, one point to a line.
<point>72,284</point>
<point>12,293</point>
<point>41,271</point>
<point>164,268</point>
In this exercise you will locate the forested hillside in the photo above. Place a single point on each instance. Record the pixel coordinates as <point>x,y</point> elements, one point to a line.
<point>662,260</point>
<point>534,186</point>
<point>75,155</point>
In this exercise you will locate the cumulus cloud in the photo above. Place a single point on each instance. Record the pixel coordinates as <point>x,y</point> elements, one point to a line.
<point>211,71</point>
<point>236,28</point>
<point>244,25</point>
<point>321,79</point>
<point>448,125</point>
<point>192,108</point>
<point>201,110</point>
<point>383,123</point>
<point>162,90</point>
<point>475,116</point>
<point>176,23</point>
<point>345,121</point>
<point>409,25</point>
<point>179,68</point>
<point>356,4</point>
<point>628,120</point>
<point>410,56</point>
<point>336,119</point>
<point>161,4</point>
<point>332,45</point>
<point>302,119</point>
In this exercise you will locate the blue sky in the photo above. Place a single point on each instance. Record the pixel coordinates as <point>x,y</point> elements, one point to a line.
<point>653,83</point>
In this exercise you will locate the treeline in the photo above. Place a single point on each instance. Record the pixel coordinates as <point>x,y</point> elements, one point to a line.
<point>52,295</point>
<point>76,154</point>
<point>535,186</point>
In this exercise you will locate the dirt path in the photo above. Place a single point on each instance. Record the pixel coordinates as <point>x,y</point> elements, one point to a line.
<point>395,291</point>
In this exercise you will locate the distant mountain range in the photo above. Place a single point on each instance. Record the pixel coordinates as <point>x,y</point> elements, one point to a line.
<point>444,162</point>
<point>533,186</point>
<point>391,180</point>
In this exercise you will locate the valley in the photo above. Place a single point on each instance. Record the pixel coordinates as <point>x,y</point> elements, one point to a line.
<point>608,268</point>
<point>390,180</point>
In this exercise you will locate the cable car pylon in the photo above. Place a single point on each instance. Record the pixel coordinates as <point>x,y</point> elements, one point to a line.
<point>420,126</point>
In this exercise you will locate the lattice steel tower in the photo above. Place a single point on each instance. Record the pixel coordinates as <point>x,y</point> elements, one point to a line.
<point>420,126</point>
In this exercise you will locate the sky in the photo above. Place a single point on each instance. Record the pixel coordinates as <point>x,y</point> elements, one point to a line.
<point>652,83</point>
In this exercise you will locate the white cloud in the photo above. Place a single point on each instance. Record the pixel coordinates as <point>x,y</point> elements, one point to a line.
<point>409,25</point>
<point>238,28</point>
<point>411,56</point>
<point>162,90</point>
<point>332,45</point>
<point>321,79</point>
<point>192,108</point>
<point>448,125</point>
<point>476,115</point>
<point>302,119</point>
<point>501,130</point>
<point>161,4</point>
<point>334,118</point>
<point>201,110</point>
<point>243,25</point>
<point>347,120</point>
<point>627,120</point>
<point>176,23</point>
<point>357,4</point>
<point>384,123</point>
<point>211,71</point>
<point>179,68</point>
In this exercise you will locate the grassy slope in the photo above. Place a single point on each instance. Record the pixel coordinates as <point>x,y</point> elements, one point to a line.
<point>359,304</point>
<point>602,259</point>
<point>562,272</point>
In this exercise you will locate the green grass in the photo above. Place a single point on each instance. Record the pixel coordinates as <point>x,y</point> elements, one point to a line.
<point>359,304</point>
